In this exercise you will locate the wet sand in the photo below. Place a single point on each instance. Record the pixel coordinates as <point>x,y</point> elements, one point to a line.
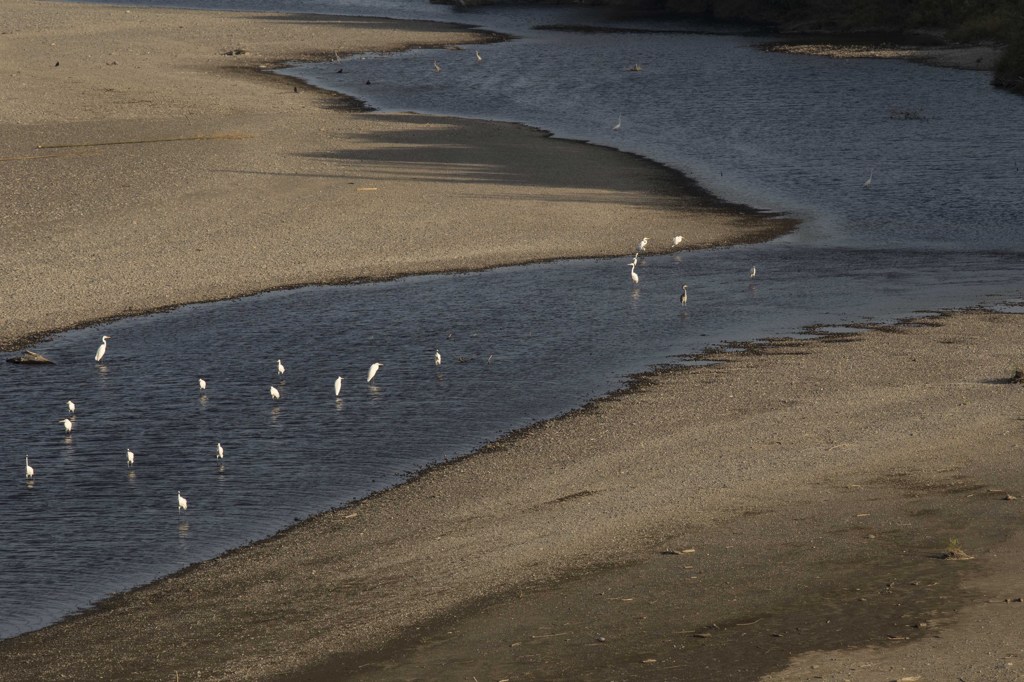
<point>814,482</point>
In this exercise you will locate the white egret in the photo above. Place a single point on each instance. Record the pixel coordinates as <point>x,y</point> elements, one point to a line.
<point>274,393</point>
<point>182,502</point>
<point>29,471</point>
<point>871,174</point>
<point>101,351</point>
<point>373,371</point>
<point>437,358</point>
<point>636,258</point>
<point>220,451</point>
<point>337,385</point>
<point>478,57</point>
<point>632,274</point>
<point>642,246</point>
<point>437,67</point>
<point>68,424</point>
<point>753,271</point>
<point>202,384</point>
<point>618,124</point>
<point>280,367</point>
<point>677,240</point>
<point>71,407</point>
<point>683,296</point>
<point>131,457</point>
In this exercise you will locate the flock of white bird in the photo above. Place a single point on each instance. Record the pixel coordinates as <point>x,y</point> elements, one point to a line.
<point>641,247</point>
<point>30,471</point>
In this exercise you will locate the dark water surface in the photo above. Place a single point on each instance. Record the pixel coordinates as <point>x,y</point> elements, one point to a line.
<point>939,228</point>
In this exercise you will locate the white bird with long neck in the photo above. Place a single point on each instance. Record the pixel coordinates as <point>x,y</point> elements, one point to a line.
<point>29,471</point>
<point>337,385</point>
<point>274,393</point>
<point>71,407</point>
<point>437,67</point>
<point>220,451</point>
<point>632,274</point>
<point>478,57</point>
<point>677,240</point>
<point>280,367</point>
<point>753,271</point>
<point>102,350</point>
<point>373,371</point>
<point>871,174</point>
<point>618,124</point>
<point>683,297</point>
<point>68,425</point>
<point>182,503</point>
<point>642,246</point>
<point>131,457</point>
<point>437,358</point>
<point>202,384</point>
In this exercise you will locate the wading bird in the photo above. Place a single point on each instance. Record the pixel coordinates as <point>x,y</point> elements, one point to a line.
<point>102,350</point>
<point>871,174</point>
<point>478,57</point>
<point>68,424</point>
<point>131,458</point>
<point>437,358</point>
<point>274,393</point>
<point>683,296</point>
<point>618,124</point>
<point>337,385</point>
<point>753,271</point>
<point>373,371</point>
<point>71,407</point>
<point>437,67</point>
<point>642,246</point>
<point>182,503</point>
<point>280,367</point>
<point>220,451</point>
<point>636,257</point>
<point>202,384</point>
<point>632,274</point>
<point>677,240</point>
<point>29,471</point>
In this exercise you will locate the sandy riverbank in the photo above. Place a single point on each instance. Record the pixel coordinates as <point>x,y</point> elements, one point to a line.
<point>815,482</point>
<point>143,167</point>
<point>803,492</point>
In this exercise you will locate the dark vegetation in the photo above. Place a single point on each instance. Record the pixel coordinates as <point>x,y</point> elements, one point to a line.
<point>998,22</point>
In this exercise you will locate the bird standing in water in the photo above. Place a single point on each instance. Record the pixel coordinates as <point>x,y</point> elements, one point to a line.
<point>437,358</point>
<point>102,350</point>
<point>683,296</point>
<point>274,393</point>
<point>337,385</point>
<point>182,503</point>
<point>753,271</point>
<point>632,274</point>
<point>29,471</point>
<point>131,457</point>
<point>373,371</point>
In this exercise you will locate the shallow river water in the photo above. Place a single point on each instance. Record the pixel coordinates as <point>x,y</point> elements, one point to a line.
<point>939,227</point>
